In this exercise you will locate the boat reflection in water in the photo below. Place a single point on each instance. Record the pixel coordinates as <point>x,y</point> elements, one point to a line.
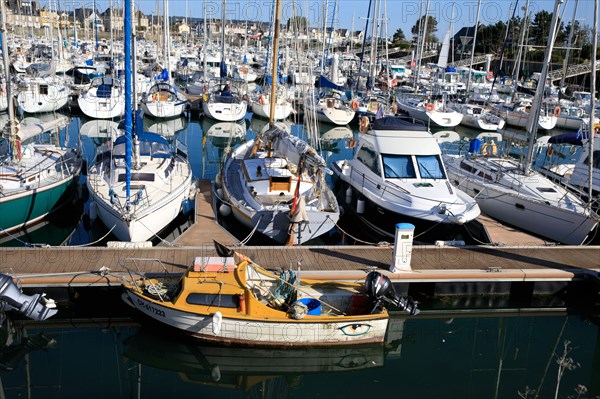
<point>332,136</point>
<point>165,127</point>
<point>244,368</point>
<point>224,134</point>
<point>440,354</point>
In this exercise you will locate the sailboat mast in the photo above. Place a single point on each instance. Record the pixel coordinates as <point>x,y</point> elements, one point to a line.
<point>167,36</point>
<point>569,41</point>
<point>592,132</point>
<point>133,55</point>
<point>473,47</point>
<point>275,64</point>
<point>11,105</point>
<point>205,45</point>
<point>534,114</point>
<point>524,28</point>
<point>223,68</point>
<point>422,45</point>
<point>362,51</point>
<point>128,105</point>
<point>374,34</point>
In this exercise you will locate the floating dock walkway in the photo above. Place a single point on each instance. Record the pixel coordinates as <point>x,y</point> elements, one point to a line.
<point>530,261</point>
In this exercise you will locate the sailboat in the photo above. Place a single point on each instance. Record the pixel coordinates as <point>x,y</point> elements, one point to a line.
<point>163,100</point>
<point>39,91</point>
<point>104,99</point>
<point>225,99</point>
<point>137,182</point>
<point>275,184</point>
<point>512,193</point>
<point>34,178</point>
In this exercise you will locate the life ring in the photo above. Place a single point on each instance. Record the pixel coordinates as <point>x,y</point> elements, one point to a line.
<point>354,105</point>
<point>489,148</point>
<point>429,107</point>
<point>154,97</point>
<point>352,143</point>
<point>204,97</point>
<point>556,111</point>
<point>261,100</point>
<point>490,75</point>
<point>364,124</point>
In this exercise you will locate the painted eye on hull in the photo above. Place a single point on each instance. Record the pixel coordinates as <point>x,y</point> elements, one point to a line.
<point>356,329</point>
<point>352,361</point>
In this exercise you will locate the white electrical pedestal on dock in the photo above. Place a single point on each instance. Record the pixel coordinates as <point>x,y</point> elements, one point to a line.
<point>402,248</point>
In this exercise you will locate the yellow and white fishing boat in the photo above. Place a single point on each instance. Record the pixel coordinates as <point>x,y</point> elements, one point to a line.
<point>220,301</point>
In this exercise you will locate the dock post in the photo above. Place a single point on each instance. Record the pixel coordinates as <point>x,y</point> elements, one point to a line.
<point>402,248</point>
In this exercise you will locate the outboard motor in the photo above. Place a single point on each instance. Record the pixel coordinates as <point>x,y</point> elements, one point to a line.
<point>35,307</point>
<point>380,289</point>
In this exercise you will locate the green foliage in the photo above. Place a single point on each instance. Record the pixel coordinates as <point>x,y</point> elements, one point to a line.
<point>431,29</point>
<point>399,36</point>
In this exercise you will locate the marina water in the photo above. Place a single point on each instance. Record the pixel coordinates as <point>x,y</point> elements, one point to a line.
<point>457,355</point>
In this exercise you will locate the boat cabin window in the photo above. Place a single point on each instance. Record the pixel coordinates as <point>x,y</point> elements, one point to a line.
<point>217,300</point>
<point>430,167</point>
<point>368,156</point>
<point>398,167</point>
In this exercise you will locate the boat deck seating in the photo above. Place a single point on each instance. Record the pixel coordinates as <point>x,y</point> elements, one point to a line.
<point>161,96</point>
<point>103,91</point>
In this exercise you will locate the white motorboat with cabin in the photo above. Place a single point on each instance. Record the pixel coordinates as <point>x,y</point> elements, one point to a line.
<point>397,175</point>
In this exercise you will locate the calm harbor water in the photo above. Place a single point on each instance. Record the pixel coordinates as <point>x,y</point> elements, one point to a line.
<point>429,356</point>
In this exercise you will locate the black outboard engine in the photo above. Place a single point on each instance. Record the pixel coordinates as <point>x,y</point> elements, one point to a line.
<point>35,307</point>
<point>380,289</point>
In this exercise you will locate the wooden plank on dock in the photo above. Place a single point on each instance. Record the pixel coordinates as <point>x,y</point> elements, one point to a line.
<point>507,235</point>
<point>206,228</point>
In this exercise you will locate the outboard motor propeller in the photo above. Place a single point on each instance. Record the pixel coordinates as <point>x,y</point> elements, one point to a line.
<point>380,289</point>
<point>35,307</point>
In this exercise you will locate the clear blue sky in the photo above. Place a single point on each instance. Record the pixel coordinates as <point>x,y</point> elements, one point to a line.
<point>401,14</point>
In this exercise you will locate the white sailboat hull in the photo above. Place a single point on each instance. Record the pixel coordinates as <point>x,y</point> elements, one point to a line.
<point>43,97</point>
<point>144,225</point>
<point>565,220</point>
<point>225,112</point>
<point>164,109</point>
<point>332,115</point>
<point>102,108</point>
<point>282,111</point>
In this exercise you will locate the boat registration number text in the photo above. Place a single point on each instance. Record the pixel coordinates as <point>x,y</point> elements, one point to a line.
<point>151,309</point>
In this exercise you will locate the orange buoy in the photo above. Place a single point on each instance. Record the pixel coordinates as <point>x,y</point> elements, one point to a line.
<point>429,107</point>
<point>557,111</point>
<point>354,105</point>
<point>352,143</point>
